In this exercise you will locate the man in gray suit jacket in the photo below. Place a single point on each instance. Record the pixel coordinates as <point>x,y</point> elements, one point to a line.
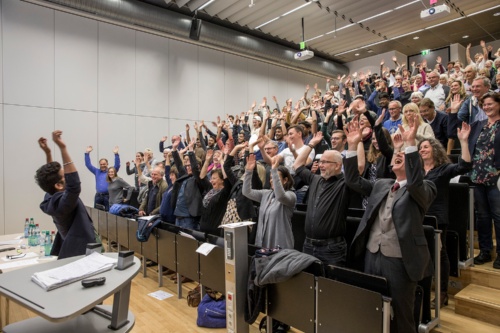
<point>390,238</point>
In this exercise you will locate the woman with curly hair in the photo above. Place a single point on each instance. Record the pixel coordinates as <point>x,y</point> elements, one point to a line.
<point>440,171</point>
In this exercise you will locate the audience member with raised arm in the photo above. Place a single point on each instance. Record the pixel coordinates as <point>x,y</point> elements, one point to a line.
<point>390,239</point>
<point>440,171</point>
<point>101,185</point>
<point>274,226</point>
<point>484,145</point>
<point>134,170</point>
<point>216,195</point>
<point>326,205</point>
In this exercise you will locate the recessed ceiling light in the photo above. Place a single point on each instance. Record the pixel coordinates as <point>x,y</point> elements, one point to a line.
<point>496,14</point>
<point>416,37</point>
<point>356,54</point>
<point>465,36</point>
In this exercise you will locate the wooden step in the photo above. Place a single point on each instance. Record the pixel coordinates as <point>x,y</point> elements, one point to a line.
<point>485,275</point>
<point>479,302</point>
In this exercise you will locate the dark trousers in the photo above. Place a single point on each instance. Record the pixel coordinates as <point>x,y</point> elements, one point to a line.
<point>401,289</point>
<point>331,251</point>
<point>102,199</point>
<point>486,199</point>
<point>445,260</point>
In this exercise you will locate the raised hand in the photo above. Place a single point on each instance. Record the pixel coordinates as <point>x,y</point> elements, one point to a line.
<point>463,134</point>
<point>275,99</point>
<point>56,137</point>
<point>394,58</point>
<point>209,155</point>
<point>187,128</point>
<point>115,151</point>
<point>382,62</point>
<point>380,119</point>
<point>164,138</point>
<point>410,135</point>
<point>341,107</point>
<point>353,134</point>
<point>329,113</point>
<point>314,167</point>
<point>316,138</point>
<point>397,142</point>
<point>175,144</point>
<point>253,105</point>
<point>455,103</point>
<point>250,162</point>
<point>191,144</point>
<point>89,149</point>
<point>42,142</point>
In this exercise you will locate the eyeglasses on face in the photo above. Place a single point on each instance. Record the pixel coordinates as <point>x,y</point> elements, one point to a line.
<point>326,162</point>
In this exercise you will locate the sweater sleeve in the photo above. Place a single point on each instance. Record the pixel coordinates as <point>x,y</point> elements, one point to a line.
<point>247,190</point>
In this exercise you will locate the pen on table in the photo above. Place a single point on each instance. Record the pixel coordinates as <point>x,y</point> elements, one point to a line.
<point>7,249</point>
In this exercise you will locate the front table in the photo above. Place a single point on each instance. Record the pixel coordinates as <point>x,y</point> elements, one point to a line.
<point>63,307</point>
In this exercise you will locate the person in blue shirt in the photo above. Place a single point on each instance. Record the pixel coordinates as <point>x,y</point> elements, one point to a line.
<point>101,185</point>
<point>395,117</point>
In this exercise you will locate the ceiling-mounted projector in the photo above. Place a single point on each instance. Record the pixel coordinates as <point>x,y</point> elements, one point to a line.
<point>435,12</point>
<point>304,55</point>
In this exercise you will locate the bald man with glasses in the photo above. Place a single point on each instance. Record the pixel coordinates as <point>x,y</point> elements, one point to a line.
<point>326,205</point>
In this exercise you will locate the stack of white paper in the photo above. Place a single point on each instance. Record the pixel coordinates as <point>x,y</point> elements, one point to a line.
<point>90,265</point>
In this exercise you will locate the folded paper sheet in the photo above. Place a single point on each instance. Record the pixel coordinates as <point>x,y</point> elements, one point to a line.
<point>90,265</point>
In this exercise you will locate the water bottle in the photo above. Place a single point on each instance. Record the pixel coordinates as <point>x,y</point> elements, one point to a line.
<point>36,239</point>
<point>26,227</point>
<point>41,242</point>
<point>30,234</point>
<point>47,243</point>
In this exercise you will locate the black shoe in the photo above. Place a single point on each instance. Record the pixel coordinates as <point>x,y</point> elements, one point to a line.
<point>496,263</point>
<point>443,301</point>
<point>483,258</point>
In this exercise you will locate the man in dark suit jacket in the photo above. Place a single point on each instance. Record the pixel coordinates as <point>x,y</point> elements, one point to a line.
<point>62,186</point>
<point>390,238</point>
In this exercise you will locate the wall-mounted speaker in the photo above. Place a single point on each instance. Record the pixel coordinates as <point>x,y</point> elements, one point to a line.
<point>194,32</point>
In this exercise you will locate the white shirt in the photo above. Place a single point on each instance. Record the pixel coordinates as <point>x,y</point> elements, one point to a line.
<point>437,95</point>
<point>288,158</point>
